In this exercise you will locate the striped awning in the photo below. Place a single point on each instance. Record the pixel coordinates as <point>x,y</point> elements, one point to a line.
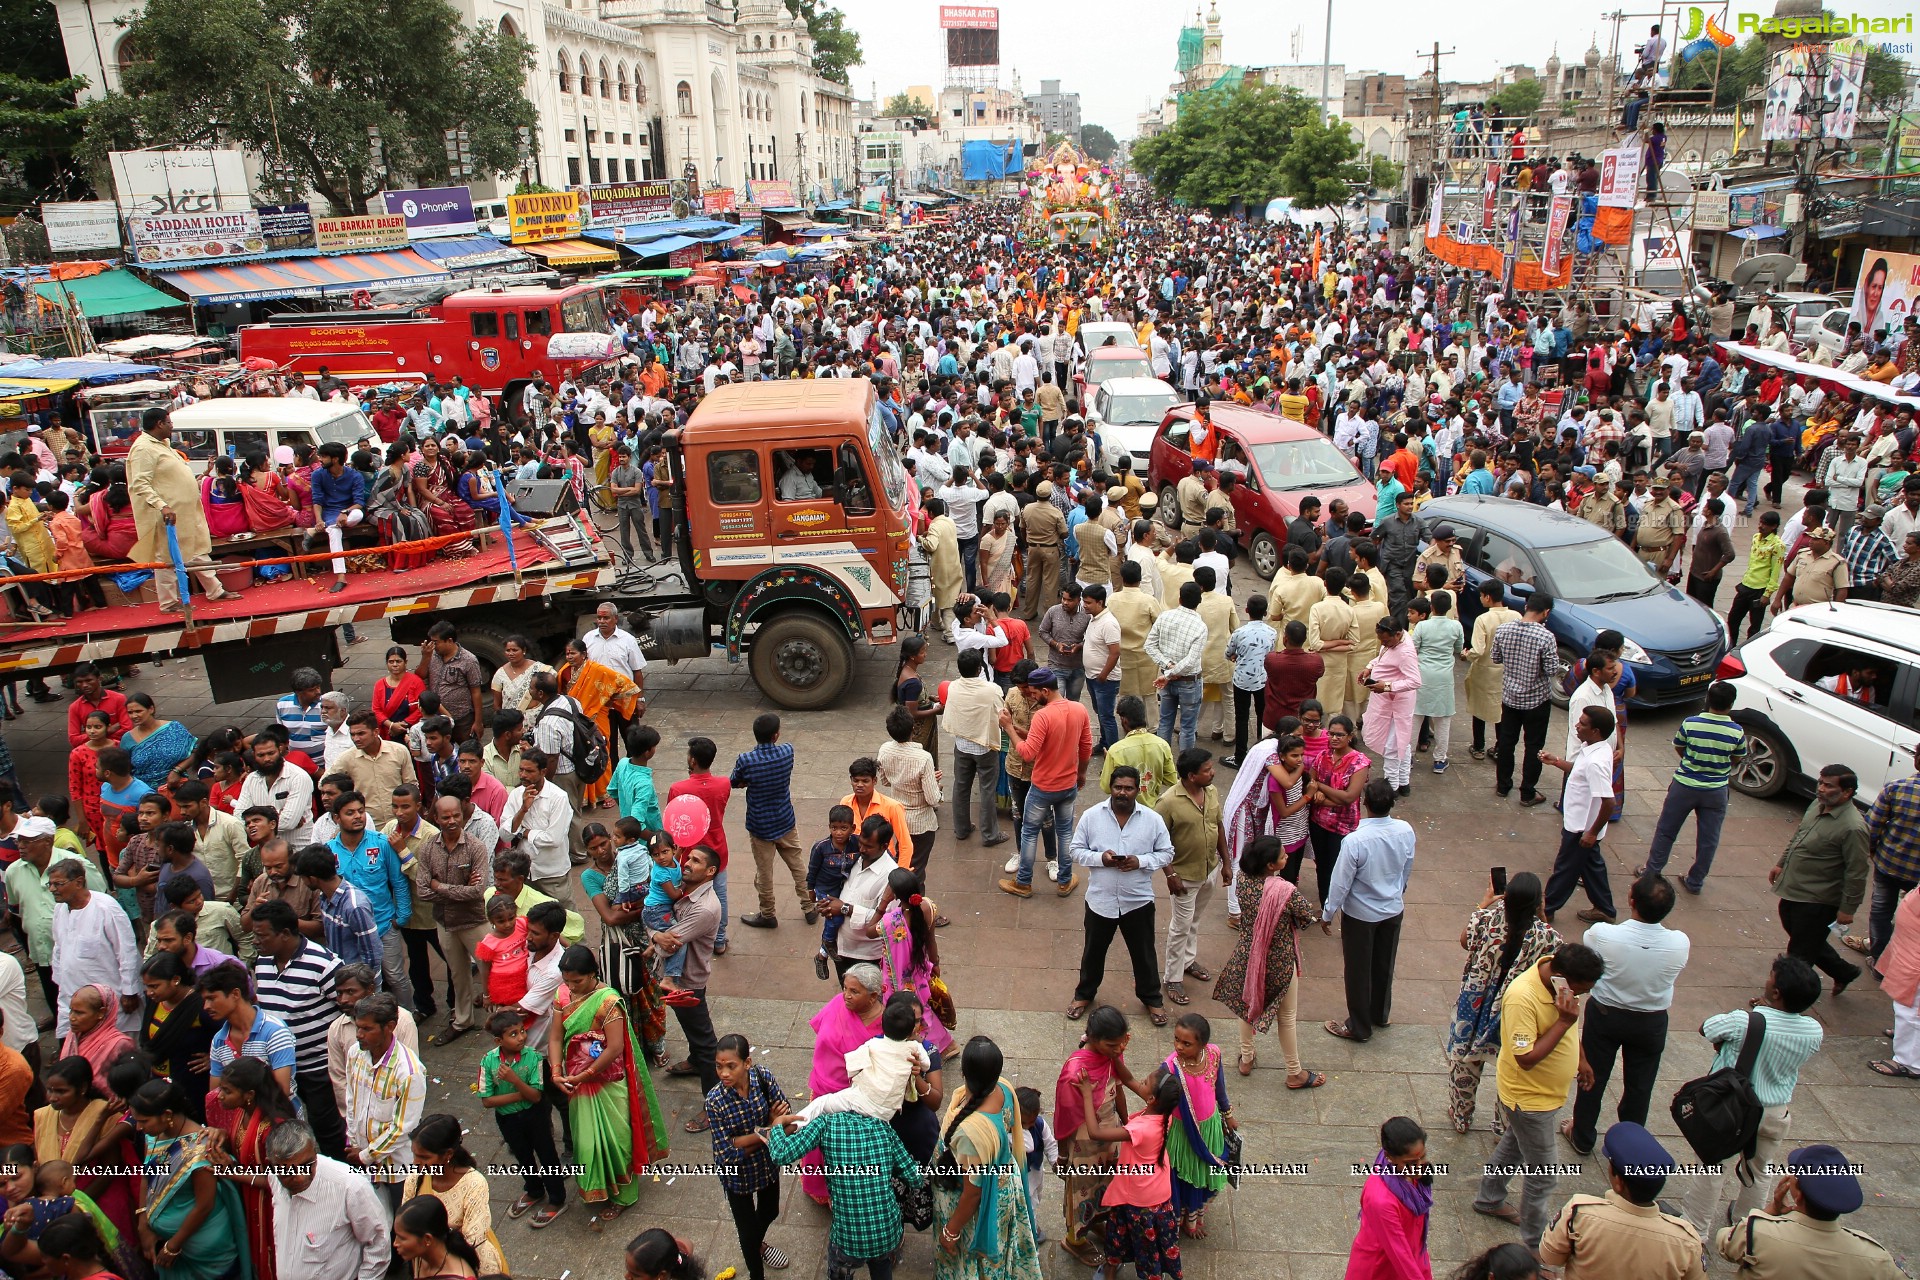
<point>571,253</point>
<point>303,277</point>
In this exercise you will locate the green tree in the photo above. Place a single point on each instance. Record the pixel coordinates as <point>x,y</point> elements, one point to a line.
<point>1323,166</point>
<point>305,79</point>
<point>901,104</point>
<point>836,50</point>
<point>1226,146</point>
<point>40,121</point>
<point>1518,100</point>
<point>1098,143</point>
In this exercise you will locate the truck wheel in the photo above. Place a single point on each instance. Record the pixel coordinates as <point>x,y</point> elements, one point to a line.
<point>489,645</point>
<point>1266,555</point>
<point>1169,507</point>
<point>801,661</point>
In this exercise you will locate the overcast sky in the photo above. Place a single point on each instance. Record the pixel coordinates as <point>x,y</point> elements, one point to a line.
<point>1118,54</point>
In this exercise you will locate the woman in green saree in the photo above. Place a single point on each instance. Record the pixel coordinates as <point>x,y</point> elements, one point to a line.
<point>192,1226</point>
<point>979,1185</point>
<point>615,1118</point>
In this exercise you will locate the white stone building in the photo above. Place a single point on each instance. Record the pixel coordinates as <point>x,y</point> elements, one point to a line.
<point>627,89</point>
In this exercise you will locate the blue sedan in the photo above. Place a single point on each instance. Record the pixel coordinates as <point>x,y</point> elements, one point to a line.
<point>1673,642</point>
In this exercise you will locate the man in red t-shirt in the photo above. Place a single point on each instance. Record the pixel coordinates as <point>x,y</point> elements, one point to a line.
<point>1005,658</point>
<point>712,791</point>
<point>1293,675</point>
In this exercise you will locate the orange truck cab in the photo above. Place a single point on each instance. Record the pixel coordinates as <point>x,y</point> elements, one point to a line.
<point>794,505</point>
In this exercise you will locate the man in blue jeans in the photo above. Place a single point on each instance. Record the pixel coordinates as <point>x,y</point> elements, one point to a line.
<point>1176,644</point>
<point>1058,743</point>
<point>1100,648</point>
<point>1709,745</point>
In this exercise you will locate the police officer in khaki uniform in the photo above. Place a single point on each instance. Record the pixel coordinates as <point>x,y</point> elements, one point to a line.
<point>1443,550</point>
<point>1046,530</point>
<point>1816,575</point>
<point>1798,1235</point>
<point>1623,1235</point>
<point>1602,507</point>
<point>1662,531</point>
<point>1191,493</point>
<point>1221,499</point>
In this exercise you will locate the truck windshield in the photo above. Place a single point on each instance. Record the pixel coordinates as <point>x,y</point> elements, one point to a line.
<point>893,477</point>
<point>584,313</point>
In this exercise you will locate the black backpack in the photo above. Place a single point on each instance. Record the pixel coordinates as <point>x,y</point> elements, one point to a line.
<point>1719,1113</point>
<point>589,750</point>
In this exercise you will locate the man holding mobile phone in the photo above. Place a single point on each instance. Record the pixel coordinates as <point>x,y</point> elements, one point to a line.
<point>1540,1059</point>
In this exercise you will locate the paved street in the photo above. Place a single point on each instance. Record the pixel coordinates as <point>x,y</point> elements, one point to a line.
<point>1011,965</point>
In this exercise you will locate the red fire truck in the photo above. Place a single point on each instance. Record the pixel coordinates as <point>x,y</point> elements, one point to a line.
<point>497,339</point>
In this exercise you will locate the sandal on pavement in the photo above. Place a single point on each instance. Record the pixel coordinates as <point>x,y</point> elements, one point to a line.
<point>1313,1081</point>
<point>1888,1067</point>
<point>522,1207</point>
<point>1199,973</point>
<point>698,1124</point>
<point>1334,1028</point>
<point>1247,1061</point>
<point>683,1068</point>
<point>1078,1010</point>
<point>1855,943</point>
<point>1177,993</point>
<point>545,1217</point>
<point>448,1036</point>
<point>1157,1014</point>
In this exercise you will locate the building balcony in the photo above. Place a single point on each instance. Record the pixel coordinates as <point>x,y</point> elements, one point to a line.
<point>667,11</point>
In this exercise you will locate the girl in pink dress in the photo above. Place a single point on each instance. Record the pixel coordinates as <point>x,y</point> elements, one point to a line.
<point>911,960</point>
<point>1394,1206</point>
<point>1394,678</point>
<point>1143,1228</point>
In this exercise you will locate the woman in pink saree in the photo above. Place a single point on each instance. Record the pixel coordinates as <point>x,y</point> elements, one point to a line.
<point>843,1024</point>
<point>911,959</point>
<point>268,498</point>
<point>221,499</point>
<point>1394,678</point>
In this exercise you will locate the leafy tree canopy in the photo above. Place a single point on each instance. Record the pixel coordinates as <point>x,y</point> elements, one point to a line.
<point>1518,100</point>
<point>1253,144</point>
<point>40,122</point>
<point>836,50</point>
<point>305,79</point>
<point>1097,142</point>
<point>901,104</point>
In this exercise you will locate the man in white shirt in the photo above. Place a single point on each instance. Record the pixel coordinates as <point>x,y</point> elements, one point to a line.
<point>92,942</point>
<point>328,1222</point>
<point>1585,806</point>
<point>337,741</point>
<point>614,647</point>
<point>858,901</point>
<point>285,788</point>
<point>1627,1009</point>
<point>538,818</point>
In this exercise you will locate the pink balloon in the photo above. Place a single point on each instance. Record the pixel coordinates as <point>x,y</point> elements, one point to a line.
<point>686,820</point>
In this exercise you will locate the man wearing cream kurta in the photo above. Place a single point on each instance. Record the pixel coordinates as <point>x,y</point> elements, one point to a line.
<point>164,493</point>
<point>1330,634</point>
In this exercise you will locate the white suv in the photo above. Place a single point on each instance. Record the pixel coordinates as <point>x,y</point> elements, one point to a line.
<point>1828,684</point>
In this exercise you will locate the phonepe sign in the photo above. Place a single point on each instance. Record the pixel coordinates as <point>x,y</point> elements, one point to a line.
<point>434,211</point>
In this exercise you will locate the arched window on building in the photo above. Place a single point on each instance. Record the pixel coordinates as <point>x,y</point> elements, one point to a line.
<point>565,67</point>
<point>683,98</point>
<point>586,78</point>
<point>606,81</point>
<point>639,85</point>
<point>620,73</point>
<point>756,42</point>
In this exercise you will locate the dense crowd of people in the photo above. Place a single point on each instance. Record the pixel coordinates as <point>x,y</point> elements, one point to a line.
<point>240,931</point>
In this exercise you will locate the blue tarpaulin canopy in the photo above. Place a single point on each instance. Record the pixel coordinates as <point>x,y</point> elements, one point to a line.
<point>983,161</point>
<point>92,372</point>
<point>459,252</point>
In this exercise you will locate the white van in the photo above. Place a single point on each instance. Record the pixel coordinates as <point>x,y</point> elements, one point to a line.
<point>245,425</point>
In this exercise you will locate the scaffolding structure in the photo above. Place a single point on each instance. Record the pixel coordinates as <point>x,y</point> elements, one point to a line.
<point>1482,212</point>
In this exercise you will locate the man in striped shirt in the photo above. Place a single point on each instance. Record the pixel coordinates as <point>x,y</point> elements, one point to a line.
<point>1709,746</point>
<point>386,1090</point>
<point>293,979</point>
